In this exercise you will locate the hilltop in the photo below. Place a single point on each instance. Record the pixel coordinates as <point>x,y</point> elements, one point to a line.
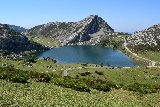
<point>146,40</point>
<point>12,41</point>
<point>87,31</point>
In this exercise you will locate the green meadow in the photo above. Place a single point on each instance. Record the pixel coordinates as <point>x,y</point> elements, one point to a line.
<point>86,85</point>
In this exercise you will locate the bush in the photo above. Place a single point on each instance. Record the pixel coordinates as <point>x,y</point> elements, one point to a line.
<point>84,64</point>
<point>99,84</point>
<point>85,73</point>
<point>70,83</point>
<point>81,87</point>
<point>141,88</point>
<point>13,74</point>
<point>39,77</point>
<point>99,72</point>
<point>21,76</point>
<point>82,74</point>
<point>103,87</point>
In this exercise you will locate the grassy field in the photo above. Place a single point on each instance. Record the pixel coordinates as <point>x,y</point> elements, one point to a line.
<point>41,65</point>
<point>49,94</point>
<point>154,56</point>
<point>123,76</point>
<point>118,75</point>
<point>151,55</point>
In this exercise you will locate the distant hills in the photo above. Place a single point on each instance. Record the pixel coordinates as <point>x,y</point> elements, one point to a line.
<point>17,28</point>
<point>12,41</point>
<point>148,39</point>
<point>87,31</point>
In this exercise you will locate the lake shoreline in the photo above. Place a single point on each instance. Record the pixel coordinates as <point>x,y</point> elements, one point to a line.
<point>77,54</point>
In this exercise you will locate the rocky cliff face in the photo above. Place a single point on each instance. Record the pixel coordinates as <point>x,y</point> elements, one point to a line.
<point>14,42</point>
<point>87,31</point>
<point>148,39</point>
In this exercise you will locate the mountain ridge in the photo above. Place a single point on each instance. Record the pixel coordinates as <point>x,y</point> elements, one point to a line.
<point>148,39</point>
<point>13,42</point>
<point>17,28</point>
<point>89,30</point>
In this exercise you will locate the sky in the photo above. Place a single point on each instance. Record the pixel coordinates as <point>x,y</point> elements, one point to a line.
<point>121,15</point>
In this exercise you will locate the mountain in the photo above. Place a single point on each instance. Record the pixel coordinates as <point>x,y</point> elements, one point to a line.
<point>17,28</point>
<point>14,42</point>
<point>87,31</point>
<point>148,39</point>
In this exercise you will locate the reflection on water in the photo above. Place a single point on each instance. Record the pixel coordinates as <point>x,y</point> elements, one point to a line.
<point>88,54</point>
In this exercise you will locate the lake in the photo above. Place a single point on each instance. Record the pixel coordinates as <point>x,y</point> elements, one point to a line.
<point>88,54</point>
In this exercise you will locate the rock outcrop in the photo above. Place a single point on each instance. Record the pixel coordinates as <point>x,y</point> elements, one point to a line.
<point>87,31</point>
<point>148,39</point>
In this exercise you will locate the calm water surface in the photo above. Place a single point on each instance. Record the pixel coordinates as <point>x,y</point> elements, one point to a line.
<point>88,54</point>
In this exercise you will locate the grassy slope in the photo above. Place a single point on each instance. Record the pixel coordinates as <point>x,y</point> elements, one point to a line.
<point>120,75</point>
<point>147,75</point>
<point>113,41</point>
<point>46,41</point>
<point>40,94</point>
<point>151,55</point>
<point>124,76</point>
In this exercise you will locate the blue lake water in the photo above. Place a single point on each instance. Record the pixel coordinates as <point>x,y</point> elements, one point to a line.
<point>88,54</point>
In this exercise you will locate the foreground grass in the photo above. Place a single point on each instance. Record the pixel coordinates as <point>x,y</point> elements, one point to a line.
<point>42,93</point>
<point>47,94</point>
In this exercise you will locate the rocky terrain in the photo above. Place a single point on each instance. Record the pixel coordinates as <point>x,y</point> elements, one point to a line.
<point>148,39</point>
<point>14,42</point>
<point>87,31</point>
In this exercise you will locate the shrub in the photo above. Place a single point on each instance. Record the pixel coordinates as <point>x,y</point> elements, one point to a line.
<point>99,84</point>
<point>82,74</point>
<point>70,83</point>
<point>141,88</point>
<point>85,73</point>
<point>39,77</point>
<point>103,87</point>
<point>99,72</point>
<point>12,74</point>
<point>84,64</point>
<point>79,86</point>
<point>21,76</point>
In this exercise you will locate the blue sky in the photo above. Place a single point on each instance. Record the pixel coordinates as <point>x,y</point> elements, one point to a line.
<point>122,15</point>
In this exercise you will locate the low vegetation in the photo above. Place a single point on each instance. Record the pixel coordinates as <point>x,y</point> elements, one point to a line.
<point>48,94</point>
<point>45,41</point>
<point>99,86</point>
<point>155,56</point>
<point>113,41</point>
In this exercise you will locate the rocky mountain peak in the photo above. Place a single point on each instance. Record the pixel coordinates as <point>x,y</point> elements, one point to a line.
<point>89,30</point>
